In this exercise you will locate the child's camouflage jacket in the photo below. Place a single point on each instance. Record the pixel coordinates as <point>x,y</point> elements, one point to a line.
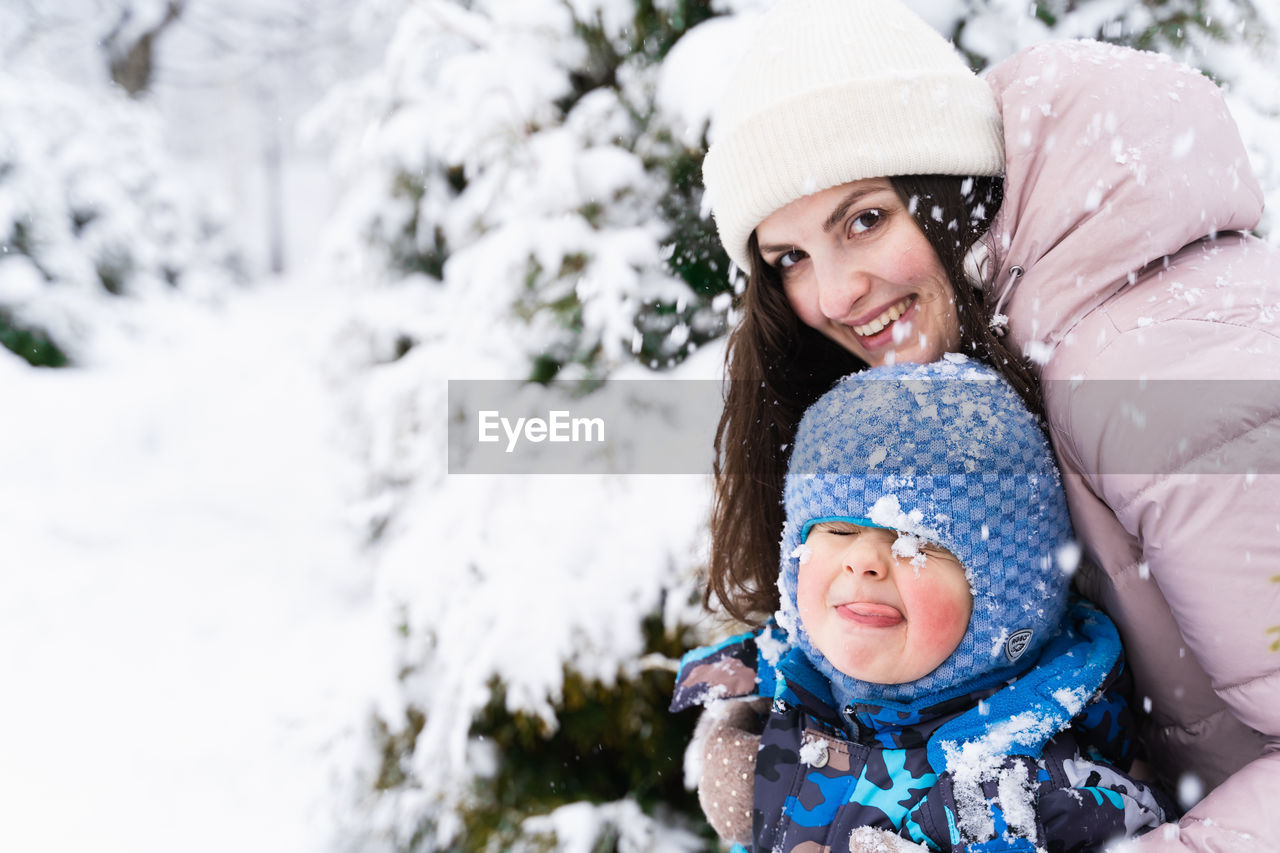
<point>1035,764</point>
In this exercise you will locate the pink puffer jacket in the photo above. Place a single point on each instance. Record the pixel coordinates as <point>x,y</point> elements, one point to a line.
<point>1127,188</point>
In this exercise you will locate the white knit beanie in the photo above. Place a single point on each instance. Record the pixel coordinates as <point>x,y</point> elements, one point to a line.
<point>832,91</point>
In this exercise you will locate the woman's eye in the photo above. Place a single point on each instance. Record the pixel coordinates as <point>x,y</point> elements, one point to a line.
<point>789,259</point>
<point>865,221</point>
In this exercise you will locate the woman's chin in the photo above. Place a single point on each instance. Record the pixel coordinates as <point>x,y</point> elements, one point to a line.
<point>912,352</point>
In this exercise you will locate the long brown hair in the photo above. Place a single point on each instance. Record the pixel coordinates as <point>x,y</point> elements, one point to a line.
<point>777,367</point>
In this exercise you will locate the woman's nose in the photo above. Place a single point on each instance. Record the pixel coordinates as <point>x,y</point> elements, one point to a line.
<point>839,289</point>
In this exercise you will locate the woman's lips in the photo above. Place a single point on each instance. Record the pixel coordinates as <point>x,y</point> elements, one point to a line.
<point>870,615</point>
<point>884,337</point>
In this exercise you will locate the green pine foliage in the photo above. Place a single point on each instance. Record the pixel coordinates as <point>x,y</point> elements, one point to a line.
<point>33,345</point>
<point>1148,25</point>
<point>1175,27</point>
<point>611,742</point>
<point>666,328</point>
<point>95,216</point>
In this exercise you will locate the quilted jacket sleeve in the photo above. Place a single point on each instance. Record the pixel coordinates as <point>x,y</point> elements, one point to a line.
<point>1187,466</point>
<point>727,680</point>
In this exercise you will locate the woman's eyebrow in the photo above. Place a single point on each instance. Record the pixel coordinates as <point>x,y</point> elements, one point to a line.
<point>843,207</point>
<point>832,221</point>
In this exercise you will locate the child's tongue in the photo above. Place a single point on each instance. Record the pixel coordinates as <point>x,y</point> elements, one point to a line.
<point>873,614</point>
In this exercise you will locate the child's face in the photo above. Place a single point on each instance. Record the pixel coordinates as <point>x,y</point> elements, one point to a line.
<point>875,616</point>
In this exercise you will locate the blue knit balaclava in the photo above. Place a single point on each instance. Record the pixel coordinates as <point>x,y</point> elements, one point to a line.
<point>946,452</point>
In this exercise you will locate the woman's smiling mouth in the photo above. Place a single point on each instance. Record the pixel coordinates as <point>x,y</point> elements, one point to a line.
<point>889,315</point>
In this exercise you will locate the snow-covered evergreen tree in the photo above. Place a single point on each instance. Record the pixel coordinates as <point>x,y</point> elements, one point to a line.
<point>1233,41</point>
<point>511,149</point>
<point>524,203</point>
<point>94,215</point>
<point>527,210</point>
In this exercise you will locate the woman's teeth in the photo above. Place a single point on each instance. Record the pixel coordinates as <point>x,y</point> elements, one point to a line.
<point>878,324</point>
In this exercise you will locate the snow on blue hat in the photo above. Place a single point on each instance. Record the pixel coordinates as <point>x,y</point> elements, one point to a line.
<point>947,452</point>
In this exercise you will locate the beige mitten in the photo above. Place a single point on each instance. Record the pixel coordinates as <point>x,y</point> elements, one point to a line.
<point>727,738</point>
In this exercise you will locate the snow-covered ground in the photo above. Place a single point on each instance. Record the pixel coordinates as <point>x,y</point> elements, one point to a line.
<point>186,628</point>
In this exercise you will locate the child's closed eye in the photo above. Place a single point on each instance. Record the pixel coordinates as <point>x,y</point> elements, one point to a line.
<point>839,528</point>
<point>933,550</point>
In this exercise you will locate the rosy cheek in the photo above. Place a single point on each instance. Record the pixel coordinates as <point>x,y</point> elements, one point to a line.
<point>909,269</point>
<point>808,593</point>
<point>942,614</point>
<point>936,621</point>
<point>804,304</point>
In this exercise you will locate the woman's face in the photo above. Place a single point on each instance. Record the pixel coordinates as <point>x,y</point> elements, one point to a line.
<point>856,267</point>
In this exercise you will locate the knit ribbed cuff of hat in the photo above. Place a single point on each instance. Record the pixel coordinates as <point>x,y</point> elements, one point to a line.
<point>922,124</point>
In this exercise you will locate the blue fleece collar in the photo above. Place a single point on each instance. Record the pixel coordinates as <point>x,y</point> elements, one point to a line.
<point>1016,718</point>
<point>1020,719</point>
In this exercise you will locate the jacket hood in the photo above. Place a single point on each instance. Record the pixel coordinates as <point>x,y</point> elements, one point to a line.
<point>1114,159</point>
<point>944,452</point>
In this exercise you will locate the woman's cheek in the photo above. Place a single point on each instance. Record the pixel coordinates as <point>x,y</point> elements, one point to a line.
<point>804,302</point>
